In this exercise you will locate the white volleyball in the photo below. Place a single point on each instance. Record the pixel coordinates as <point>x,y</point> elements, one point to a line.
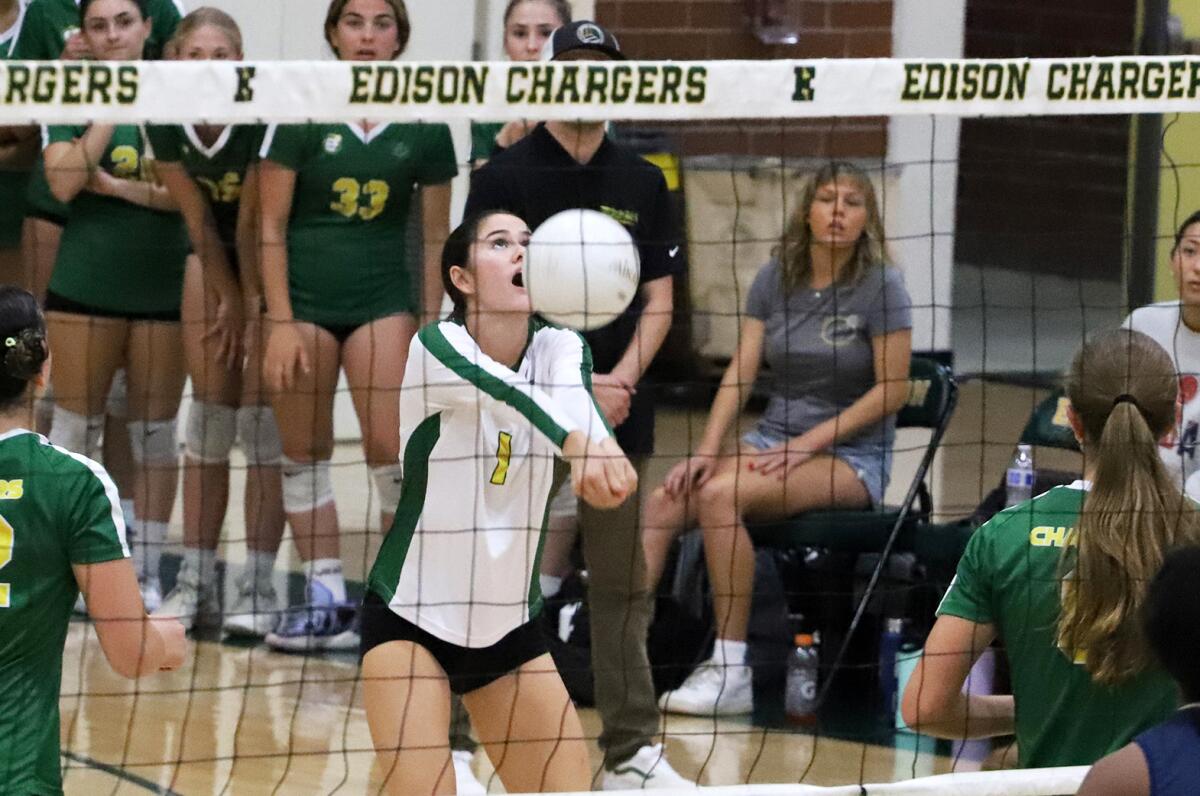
<point>581,269</point>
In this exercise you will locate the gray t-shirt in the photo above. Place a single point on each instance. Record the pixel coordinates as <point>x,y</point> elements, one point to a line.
<point>818,345</point>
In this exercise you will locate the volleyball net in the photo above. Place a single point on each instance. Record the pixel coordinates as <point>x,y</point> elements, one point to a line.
<point>1027,202</point>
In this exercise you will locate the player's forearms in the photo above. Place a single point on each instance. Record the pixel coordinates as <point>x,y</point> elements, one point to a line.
<point>134,647</point>
<point>965,718</point>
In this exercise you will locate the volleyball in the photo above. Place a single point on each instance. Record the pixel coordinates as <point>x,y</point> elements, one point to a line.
<point>582,269</point>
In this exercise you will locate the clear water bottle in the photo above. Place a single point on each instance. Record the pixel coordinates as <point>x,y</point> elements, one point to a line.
<point>1018,484</point>
<point>800,697</point>
<point>889,647</point>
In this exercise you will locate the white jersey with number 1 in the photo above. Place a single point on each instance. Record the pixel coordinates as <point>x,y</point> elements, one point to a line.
<point>1163,323</point>
<point>478,442</point>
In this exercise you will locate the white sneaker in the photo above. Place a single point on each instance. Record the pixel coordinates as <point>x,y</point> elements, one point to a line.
<point>151,593</point>
<point>466,783</point>
<point>193,604</point>
<point>255,611</point>
<point>714,689</point>
<point>648,769</point>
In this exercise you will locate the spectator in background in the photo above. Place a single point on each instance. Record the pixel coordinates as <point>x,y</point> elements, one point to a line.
<point>834,323</point>
<point>527,26</point>
<point>1062,579</point>
<point>562,165</point>
<point>1175,325</point>
<point>1164,760</point>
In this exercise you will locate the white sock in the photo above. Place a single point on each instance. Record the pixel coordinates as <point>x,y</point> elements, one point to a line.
<point>262,568</point>
<point>149,537</point>
<point>327,572</point>
<point>202,562</point>
<point>729,653</point>
<point>128,510</point>
<point>551,585</point>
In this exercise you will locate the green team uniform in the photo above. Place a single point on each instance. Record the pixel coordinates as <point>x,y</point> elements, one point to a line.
<point>483,139</point>
<point>56,509</point>
<point>219,171</point>
<point>1009,578</point>
<point>118,256</point>
<point>347,263</point>
<point>47,26</point>
<point>13,182</point>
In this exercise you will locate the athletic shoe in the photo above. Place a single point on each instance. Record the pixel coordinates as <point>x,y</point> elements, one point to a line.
<point>314,628</point>
<point>712,690</point>
<point>192,603</point>
<point>151,593</point>
<point>466,783</point>
<point>254,613</point>
<point>648,769</point>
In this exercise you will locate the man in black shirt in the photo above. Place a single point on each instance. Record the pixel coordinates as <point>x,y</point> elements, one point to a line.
<point>562,165</point>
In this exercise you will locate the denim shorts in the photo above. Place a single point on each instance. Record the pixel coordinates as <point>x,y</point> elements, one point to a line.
<point>872,467</point>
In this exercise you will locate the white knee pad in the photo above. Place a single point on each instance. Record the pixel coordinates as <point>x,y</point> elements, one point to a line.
<point>77,433</point>
<point>117,404</point>
<point>389,482</point>
<point>211,429</point>
<point>306,485</point>
<point>153,441</point>
<point>259,435</point>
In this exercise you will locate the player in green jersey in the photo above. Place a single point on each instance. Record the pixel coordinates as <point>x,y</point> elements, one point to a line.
<point>1062,578</point>
<point>114,297</point>
<point>453,600</point>
<point>18,150</point>
<point>212,171</point>
<point>61,532</point>
<point>527,25</point>
<point>342,292</point>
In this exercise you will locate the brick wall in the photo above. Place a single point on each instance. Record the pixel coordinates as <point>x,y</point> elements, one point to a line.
<point>1045,194</point>
<point>711,29</point>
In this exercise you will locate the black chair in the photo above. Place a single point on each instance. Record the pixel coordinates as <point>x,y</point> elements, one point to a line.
<point>932,396</point>
<point>1048,426</point>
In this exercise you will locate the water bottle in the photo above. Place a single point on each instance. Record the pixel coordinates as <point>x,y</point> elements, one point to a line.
<point>1018,485</point>
<point>800,697</point>
<point>889,648</point>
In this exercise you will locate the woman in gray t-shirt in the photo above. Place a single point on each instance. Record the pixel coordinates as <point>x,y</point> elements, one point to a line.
<point>834,323</point>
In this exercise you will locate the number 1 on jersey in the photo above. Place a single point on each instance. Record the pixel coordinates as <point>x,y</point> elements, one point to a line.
<point>503,457</point>
<point>6,548</point>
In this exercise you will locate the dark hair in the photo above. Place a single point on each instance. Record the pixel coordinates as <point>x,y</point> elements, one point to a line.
<point>1194,218</point>
<point>403,25</point>
<point>141,7</point>
<point>23,341</point>
<point>561,7</point>
<point>457,251</point>
<point>1122,387</point>
<point>1172,619</point>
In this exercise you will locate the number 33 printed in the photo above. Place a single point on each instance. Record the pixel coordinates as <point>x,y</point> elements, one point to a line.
<point>349,190</point>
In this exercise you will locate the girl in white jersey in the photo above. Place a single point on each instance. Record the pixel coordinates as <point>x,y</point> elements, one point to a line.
<point>490,397</point>
<point>1175,325</point>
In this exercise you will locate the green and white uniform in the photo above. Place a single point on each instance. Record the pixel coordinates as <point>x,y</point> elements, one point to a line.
<point>219,171</point>
<point>57,508</point>
<point>479,442</point>
<point>47,27</point>
<point>118,256</point>
<point>483,139</point>
<point>1009,577</point>
<point>347,263</point>
<point>13,182</point>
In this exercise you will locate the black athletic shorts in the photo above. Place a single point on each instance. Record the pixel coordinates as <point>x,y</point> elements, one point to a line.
<point>468,668</point>
<point>56,303</point>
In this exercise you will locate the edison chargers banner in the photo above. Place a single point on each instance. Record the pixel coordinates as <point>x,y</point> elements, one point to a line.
<point>293,91</point>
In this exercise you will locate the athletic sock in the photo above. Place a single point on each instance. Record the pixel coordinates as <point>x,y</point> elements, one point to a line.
<point>149,537</point>
<point>203,563</point>
<point>262,568</point>
<point>326,582</point>
<point>727,652</point>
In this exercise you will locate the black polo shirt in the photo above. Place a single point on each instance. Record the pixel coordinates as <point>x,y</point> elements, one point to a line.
<point>537,178</point>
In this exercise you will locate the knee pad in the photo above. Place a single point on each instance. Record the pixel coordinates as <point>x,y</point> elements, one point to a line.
<point>117,403</point>
<point>389,482</point>
<point>153,441</point>
<point>259,435</point>
<point>306,485</point>
<point>210,432</point>
<point>77,433</point>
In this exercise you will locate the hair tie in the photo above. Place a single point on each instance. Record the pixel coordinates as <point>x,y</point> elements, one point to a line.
<point>10,342</point>
<point>1126,398</point>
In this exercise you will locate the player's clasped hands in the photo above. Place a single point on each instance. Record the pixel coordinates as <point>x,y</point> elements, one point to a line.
<point>601,475</point>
